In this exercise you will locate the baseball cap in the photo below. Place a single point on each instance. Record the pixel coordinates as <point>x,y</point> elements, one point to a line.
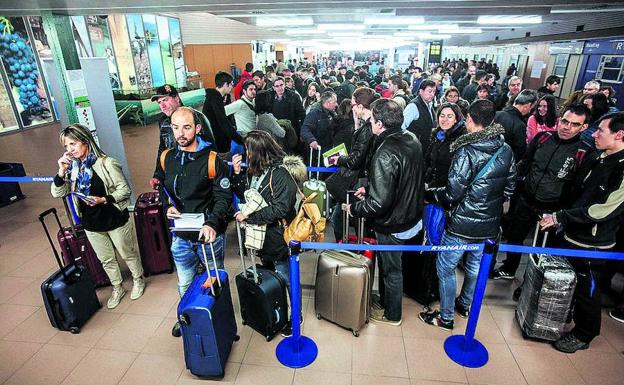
<point>165,90</point>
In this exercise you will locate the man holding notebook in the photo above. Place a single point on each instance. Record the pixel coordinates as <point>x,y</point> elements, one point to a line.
<point>195,181</point>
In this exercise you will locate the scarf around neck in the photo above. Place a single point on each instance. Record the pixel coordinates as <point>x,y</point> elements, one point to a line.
<point>85,173</point>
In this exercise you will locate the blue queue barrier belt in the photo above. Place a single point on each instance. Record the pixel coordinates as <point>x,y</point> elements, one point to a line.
<point>26,179</point>
<point>298,351</point>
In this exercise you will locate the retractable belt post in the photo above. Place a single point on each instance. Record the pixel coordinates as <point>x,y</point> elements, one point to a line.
<point>465,349</point>
<point>296,351</point>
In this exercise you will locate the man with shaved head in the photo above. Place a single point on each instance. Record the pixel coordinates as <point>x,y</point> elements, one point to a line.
<point>196,181</point>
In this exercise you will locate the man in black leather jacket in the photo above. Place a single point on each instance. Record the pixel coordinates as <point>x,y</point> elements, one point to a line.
<point>482,175</point>
<point>548,170</point>
<point>513,120</point>
<point>592,223</point>
<point>394,198</point>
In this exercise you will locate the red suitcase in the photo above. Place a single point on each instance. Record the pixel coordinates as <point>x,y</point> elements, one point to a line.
<point>152,234</point>
<point>75,238</point>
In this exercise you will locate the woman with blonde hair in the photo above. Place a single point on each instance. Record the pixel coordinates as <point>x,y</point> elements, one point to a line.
<point>100,191</point>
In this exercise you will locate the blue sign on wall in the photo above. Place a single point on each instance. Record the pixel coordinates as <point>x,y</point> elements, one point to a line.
<point>604,47</point>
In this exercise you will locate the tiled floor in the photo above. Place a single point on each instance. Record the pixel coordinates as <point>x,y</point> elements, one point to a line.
<point>132,344</point>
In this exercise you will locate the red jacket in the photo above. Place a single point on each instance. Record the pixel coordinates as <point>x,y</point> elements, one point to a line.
<point>239,87</point>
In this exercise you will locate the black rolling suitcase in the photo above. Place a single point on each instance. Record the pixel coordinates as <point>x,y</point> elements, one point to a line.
<point>262,296</point>
<point>420,277</point>
<point>68,294</point>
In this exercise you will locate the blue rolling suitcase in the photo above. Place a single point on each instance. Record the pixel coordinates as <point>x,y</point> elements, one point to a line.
<point>68,294</point>
<point>208,326</point>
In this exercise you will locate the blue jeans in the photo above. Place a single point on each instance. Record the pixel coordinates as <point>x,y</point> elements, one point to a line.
<point>446,264</point>
<point>188,254</point>
<point>391,274</point>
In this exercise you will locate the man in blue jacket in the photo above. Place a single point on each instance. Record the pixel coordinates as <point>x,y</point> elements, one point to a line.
<point>481,177</point>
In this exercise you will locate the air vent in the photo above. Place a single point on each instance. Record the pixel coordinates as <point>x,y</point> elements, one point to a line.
<point>528,34</point>
<point>387,10</point>
<point>496,38</point>
<point>580,28</point>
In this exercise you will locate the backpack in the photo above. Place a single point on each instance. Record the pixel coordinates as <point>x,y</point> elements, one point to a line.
<point>212,163</point>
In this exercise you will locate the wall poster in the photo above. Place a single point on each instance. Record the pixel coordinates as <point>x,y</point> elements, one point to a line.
<point>7,116</point>
<point>177,51</point>
<point>123,54</point>
<point>23,74</point>
<point>103,47</point>
<point>165,49</point>
<point>138,46</point>
<point>153,50</point>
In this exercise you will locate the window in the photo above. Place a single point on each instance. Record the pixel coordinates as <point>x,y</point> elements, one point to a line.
<point>561,63</point>
<point>611,69</point>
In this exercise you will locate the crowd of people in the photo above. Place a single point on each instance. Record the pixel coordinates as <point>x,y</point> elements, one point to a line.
<point>496,157</point>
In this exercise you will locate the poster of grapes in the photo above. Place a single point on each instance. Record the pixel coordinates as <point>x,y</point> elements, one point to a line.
<point>23,73</point>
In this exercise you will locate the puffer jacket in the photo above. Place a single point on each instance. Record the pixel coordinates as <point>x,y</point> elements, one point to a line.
<point>439,156</point>
<point>515,130</point>
<point>394,198</point>
<point>317,126</point>
<point>279,190</point>
<point>474,208</point>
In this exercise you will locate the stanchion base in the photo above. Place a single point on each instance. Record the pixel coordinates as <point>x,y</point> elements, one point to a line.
<point>473,356</point>
<point>296,353</point>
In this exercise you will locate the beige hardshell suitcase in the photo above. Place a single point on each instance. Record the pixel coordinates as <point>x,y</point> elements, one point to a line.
<point>343,289</point>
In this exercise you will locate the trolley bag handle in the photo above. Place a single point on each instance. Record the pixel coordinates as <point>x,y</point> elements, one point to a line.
<point>318,162</point>
<point>56,254</point>
<point>535,236</point>
<point>210,280</point>
<point>70,215</point>
<point>252,254</point>
<point>241,252</point>
<point>345,224</point>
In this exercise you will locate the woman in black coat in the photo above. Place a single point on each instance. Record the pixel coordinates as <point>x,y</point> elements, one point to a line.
<point>355,165</point>
<point>439,156</point>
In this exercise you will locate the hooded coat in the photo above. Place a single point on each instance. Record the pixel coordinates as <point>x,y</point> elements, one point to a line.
<point>474,207</point>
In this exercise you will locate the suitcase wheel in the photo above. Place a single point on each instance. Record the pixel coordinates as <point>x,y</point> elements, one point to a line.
<point>74,330</point>
<point>356,333</point>
<point>525,335</point>
<point>268,338</point>
<point>236,337</point>
<point>318,316</point>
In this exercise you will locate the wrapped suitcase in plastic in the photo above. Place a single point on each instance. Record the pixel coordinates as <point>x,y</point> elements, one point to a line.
<point>207,322</point>
<point>547,292</point>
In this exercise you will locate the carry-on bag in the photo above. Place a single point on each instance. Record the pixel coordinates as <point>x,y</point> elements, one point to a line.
<point>73,241</point>
<point>547,292</point>
<point>343,287</point>
<point>316,185</point>
<point>207,322</point>
<point>69,294</point>
<point>152,234</point>
<point>420,276</point>
<point>262,295</point>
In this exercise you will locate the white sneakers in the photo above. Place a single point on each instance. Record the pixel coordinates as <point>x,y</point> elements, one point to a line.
<point>118,293</point>
<point>138,288</point>
<point>115,299</point>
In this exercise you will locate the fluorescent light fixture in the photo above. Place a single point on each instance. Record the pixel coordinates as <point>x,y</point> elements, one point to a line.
<point>341,27</point>
<point>587,10</point>
<point>460,30</point>
<point>303,31</point>
<point>406,34</point>
<point>283,21</point>
<point>394,20</point>
<point>345,34</point>
<point>432,27</point>
<point>487,19</point>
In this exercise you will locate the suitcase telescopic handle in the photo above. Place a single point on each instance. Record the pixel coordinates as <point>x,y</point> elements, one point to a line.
<point>345,224</point>
<point>42,217</point>
<point>214,261</point>
<point>536,235</point>
<point>318,162</point>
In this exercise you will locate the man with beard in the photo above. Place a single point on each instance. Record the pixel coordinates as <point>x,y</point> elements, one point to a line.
<point>196,181</point>
<point>168,100</point>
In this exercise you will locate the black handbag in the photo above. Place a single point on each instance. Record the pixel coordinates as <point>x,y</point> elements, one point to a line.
<point>340,182</point>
